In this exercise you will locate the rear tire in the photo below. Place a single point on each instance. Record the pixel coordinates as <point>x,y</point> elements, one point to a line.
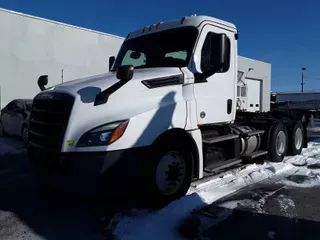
<point>278,143</point>
<point>297,139</point>
<point>170,171</point>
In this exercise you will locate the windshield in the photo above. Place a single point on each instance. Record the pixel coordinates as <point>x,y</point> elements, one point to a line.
<point>171,48</point>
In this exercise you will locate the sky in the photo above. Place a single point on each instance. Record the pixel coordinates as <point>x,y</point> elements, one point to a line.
<point>284,33</point>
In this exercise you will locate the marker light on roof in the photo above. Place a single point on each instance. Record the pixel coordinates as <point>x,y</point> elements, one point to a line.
<point>128,35</point>
<point>150,27</point>
<point>182,20</point>
<point>144,29</point>
<point>158,25</point>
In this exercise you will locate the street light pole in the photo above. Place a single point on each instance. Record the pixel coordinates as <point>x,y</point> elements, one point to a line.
<point>302,78</point>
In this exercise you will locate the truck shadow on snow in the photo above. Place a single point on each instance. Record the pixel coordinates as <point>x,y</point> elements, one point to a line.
<point>33,211</point>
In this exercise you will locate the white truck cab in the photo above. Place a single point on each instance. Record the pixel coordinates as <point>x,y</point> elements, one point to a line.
<point>164,114</point>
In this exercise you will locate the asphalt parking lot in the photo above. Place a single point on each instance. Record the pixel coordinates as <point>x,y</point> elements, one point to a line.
<point>27,213</point>
<point>267,210</point>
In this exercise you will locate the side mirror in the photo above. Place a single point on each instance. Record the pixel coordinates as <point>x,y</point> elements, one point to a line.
<point>125,73</point>
<point>42,82</point>
<point>221,56</point>
<point>111,61</point>
<point>217,57</point>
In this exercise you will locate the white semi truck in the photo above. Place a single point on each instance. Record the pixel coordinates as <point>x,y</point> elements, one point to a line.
<point>165,115</point>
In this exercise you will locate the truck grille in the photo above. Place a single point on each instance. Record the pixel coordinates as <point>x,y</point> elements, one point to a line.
<point>48,121</point>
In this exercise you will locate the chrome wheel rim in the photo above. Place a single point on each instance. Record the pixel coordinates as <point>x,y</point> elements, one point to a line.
<point>170,173</point>
<point>298,138</point>
<point>281,143</point>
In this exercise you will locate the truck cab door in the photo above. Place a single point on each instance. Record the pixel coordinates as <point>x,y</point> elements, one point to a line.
<point>216,95</point>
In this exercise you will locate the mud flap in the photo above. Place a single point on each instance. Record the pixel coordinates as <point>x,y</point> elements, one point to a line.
<point>305,135</point>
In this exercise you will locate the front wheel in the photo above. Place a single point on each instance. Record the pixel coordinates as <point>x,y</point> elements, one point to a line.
<point>171,172</point>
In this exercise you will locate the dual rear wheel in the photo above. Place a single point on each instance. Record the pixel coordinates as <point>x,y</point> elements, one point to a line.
<point>285,141</point>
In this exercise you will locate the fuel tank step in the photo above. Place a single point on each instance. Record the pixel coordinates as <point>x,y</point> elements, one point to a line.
<point>210,140</point>
<point>252,133</point>
<point>254,155</point>
<point>220,165</point>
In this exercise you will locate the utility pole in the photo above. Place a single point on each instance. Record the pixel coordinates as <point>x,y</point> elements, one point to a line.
<point>302,78</point>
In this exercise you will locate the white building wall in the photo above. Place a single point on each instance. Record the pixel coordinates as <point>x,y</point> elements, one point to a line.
<point>253,70</point>
<point>32,46</point>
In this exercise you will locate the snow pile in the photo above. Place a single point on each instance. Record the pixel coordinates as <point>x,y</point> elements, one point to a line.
<point>306,176</point>
<point>287,206</point>
<point>163,224</point>
<point>257,205</point>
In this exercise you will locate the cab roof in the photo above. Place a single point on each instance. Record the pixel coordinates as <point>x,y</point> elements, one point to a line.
<point>193,21</point>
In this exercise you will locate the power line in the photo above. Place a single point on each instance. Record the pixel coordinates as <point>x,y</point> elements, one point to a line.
<point>314,78</point>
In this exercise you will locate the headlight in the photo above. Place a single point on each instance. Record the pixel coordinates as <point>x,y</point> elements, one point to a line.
<point>103,135</point>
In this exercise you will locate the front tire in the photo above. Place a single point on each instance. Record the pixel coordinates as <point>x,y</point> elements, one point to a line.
<point>171,171</point>
<point>278,143</point>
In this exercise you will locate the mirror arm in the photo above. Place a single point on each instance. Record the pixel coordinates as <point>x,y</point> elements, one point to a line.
<point>200,77</point>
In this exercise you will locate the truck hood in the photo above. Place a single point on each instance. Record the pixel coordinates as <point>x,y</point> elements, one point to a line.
<point>101,82</point>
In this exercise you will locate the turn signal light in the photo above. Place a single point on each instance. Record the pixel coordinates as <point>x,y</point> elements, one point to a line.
<point>118,132</point>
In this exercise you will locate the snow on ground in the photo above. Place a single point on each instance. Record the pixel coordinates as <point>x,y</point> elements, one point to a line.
<point>163,224</point>
<point>287,206</point>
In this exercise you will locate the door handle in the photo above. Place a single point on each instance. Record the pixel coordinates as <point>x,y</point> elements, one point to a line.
<point>229,106</point>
